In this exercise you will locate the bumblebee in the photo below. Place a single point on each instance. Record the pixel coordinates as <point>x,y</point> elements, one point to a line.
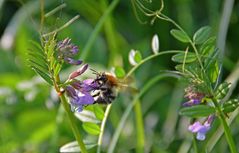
<point>106,88</point>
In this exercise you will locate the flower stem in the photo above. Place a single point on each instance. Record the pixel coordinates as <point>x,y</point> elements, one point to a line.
<point>72,123</point>
<point>226,128</point>
<point>151,57</point>
<point>103,127</point>
<point>140,143</point>
<point>195,147</point>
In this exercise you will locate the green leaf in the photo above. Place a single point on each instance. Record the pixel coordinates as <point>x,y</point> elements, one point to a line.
<point>137,57</point>
<point>45,76</point>
<point>230,105</point>
<point>213,71</point>
<point>202,35</point>
<point>197,111</point>
<point>212,58</point>
<point>74,147</point>
<point>50,46</point>
<point>99,112</point>
<point>179,35</point>
<point>37,57</point>
<point>190,57</point>
<point>208,46</point>
<point>57,68</point>
<point>37,47</point>
<point>41,66</point>
<point>119,72</point>
<point>222,90</point>
<point>87,116</point>
<point>91,128</point>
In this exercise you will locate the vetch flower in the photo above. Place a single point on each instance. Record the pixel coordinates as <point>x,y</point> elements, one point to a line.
<point>78,72</point>
<point>72,61</point>
<point>194,97</point>
<point>201,129</point>
<point>78,98</point>
<point>66,51</point>
<point>192,102</point>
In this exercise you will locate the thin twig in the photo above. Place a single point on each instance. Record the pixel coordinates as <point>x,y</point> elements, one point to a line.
<point>55,10</point>
<point>62,27</point>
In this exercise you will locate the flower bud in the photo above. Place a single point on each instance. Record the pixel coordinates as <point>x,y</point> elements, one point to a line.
<point>155,44</point>
<point>78,72</point>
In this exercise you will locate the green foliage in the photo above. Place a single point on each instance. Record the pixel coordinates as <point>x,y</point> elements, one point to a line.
<point>99,112</point>
<point>137,57</point>
<point>119,72</point>
<point>201,35</point>
<point>197,111</point>
<point>222,90</point>
<point>180,35</point>
<point>38,62</point>
<point>187,57</point>
<point>230,105</point>
<point>91,128</point>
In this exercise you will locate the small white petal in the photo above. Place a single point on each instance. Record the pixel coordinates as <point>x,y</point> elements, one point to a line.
<point>155,44</point>
<point>131,57</point>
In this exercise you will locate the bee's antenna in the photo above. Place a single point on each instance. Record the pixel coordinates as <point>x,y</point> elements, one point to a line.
<point>94,71</point>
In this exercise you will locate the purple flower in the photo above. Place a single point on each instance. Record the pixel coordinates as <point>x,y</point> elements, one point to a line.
<point>66,51</point>
<point>78,72</point>
<point>72,61</point>
<point>192,102</point>
<point>87,85</point>
<point>78,99</point>
<point>194,97</point>
<point>81,93</point>
<point>200,129</point>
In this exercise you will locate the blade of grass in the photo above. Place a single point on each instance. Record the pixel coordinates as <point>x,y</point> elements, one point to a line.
<point>97,29</point>
<point>102,128</point>
<point>140,127</point>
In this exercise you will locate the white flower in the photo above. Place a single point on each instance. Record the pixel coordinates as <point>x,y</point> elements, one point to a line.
<point>155,44</point>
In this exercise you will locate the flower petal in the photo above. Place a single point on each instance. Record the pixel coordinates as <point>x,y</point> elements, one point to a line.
<point>78,72</point>
<point>131,57</point>
<point>72,61</point>
<point>195,127</point>
<point>85,98</point>
<point>201,136</point>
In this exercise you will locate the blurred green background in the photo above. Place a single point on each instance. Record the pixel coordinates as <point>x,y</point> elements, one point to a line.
<point>30,119</point>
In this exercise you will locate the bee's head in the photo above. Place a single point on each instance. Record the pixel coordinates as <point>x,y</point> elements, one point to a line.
<point>101,77</point>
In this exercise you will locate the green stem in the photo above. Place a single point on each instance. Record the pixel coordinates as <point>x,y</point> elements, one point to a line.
<point>226,128</point>
<point>72,123</point>
<point>102,128</point>
<point>166,18</point>
<point>140,128</point>
<point>151,57</point>
<point>130,107</point>
<point>97,29</point>
<point>195,147</point>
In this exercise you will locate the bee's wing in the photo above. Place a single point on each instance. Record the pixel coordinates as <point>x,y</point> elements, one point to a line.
<point>127,88</point>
